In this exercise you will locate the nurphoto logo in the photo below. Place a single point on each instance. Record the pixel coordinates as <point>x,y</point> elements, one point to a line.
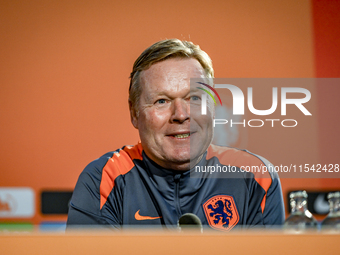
<point>238,99</point>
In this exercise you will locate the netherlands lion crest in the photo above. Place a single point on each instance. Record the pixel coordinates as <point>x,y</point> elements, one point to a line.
<point>221,212</point>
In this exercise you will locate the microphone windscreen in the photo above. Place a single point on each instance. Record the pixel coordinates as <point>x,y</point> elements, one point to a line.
<point>190,221</point>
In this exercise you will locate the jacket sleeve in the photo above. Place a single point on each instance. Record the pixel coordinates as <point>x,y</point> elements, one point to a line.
<point>84,207</point>
<point>269,212</point>
<point>274,211</point>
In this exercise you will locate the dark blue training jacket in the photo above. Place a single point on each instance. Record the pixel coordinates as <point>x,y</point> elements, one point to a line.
<point>125,187</point>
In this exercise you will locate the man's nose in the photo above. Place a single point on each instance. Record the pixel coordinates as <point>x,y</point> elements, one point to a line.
<point>180,110</point>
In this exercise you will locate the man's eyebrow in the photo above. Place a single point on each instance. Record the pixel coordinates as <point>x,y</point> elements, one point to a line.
<point>156,93</point>
<point>194,90</point>
<point>152,95</point>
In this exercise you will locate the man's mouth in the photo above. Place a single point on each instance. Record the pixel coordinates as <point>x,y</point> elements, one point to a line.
<point>182,135</point>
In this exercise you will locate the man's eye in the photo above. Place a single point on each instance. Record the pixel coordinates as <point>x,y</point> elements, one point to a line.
<point>161,101</point>
<point>195,98</point>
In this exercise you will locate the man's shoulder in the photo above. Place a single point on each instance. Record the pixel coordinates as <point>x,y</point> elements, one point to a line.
<point>259,166</point>
<point>235,156</point>
<point>119,161</point>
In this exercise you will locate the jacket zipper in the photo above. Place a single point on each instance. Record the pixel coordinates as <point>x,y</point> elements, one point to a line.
<point>177,202</point>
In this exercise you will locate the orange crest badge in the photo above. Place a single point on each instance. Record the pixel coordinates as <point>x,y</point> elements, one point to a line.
<point>221,212</point>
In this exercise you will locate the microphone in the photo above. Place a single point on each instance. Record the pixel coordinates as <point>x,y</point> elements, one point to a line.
<point>190,221</point>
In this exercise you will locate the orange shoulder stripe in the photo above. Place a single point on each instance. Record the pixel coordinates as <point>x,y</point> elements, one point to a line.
<point>241,159</point>
<point>135,152</point>
<point>119,164</point>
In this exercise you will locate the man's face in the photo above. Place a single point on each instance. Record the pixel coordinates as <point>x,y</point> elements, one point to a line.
<point>166,126</point>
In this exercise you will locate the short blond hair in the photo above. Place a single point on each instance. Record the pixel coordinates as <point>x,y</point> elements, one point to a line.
<point>160,51</point>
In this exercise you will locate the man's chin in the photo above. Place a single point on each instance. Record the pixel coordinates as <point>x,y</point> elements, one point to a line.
<point>184,162</point>
<point>180,159</point>
<point>180,162</point>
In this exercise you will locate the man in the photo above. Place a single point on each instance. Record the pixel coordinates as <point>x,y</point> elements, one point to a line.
<point>151,183</point>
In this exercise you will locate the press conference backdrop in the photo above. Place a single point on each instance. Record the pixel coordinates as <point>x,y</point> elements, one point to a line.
<point>64,86</point>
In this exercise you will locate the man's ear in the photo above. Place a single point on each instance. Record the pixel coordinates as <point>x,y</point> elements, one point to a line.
<point>133,115</point>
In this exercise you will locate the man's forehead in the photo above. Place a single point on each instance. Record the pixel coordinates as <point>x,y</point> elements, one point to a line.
<point>174,68</point>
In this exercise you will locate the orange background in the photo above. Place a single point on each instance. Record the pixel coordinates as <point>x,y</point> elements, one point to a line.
<point>65,65</point>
